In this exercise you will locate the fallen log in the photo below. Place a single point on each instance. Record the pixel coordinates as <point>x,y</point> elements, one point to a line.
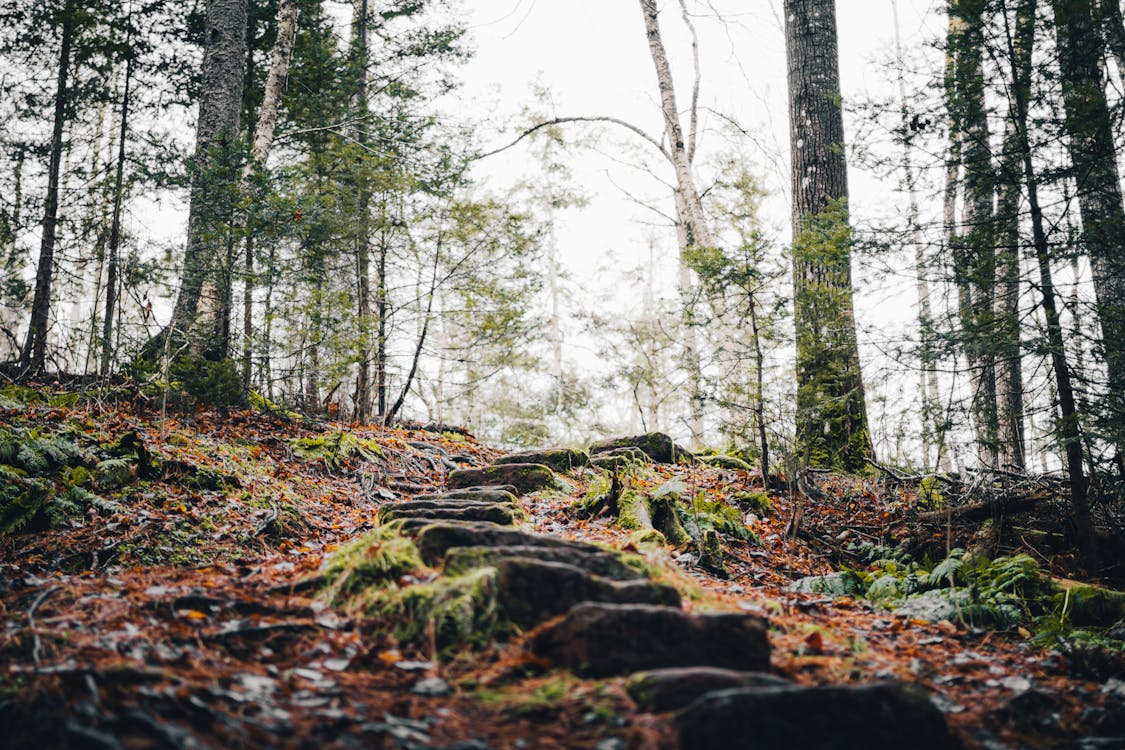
<point>985,510</point>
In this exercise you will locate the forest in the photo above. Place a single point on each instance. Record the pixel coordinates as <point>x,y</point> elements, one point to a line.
<point>503,374</point>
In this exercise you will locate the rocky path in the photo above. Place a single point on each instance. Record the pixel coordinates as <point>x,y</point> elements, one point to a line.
<point>585,610</point>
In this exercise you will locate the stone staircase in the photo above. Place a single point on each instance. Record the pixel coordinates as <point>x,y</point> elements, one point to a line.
<point>590,612</point>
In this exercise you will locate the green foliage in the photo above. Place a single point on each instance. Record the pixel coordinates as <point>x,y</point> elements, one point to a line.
<point>372,561</point>
<point>831,422</point>
<point>755,501</point>
<point>337,448</point>
<point>208,382</point>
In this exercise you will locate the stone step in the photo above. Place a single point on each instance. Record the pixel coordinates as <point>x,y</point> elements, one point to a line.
<point>561,460</point>
<point>525,478</point>
<point>658,446</point>
<point>604,640</point>
<point>533,591</point>
<point>599,562</point>
<point>884,716</point>
<point>483,513</point>
<point>500,494</point>
<point>663,690</point>
<point>434,540</point>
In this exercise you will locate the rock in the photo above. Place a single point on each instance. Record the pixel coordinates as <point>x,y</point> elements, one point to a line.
<point>525,478</point>
<point>433,540</point>
<point>558,459</point>
<point>620,458</point>
<point>433,687</point>
<point>506,494</point>
<point>936,605</point>
<point>605,564</point>
<point>886,716</point>
<point>833,584</point>
<point>602,640</point>
<point>498,514</point>
<point>727,462</point>
<point>531,591</point>
<point>658,446</point>
<point>442,504</point>
<point>664,690</point>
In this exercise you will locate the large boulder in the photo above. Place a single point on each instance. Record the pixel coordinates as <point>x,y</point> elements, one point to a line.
<point>532,591</point>
<point>603,640</point>
<point>434,540</point>
<point>885,716</point>
<point>558,459</point>
<point>605,564</point>
<point>656,445</point>
<point>526,478</point>
<point>663,690</point>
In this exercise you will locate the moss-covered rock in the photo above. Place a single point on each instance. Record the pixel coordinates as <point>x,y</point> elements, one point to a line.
<point>371,561</point>
<point>561,460</point>
<point>603,640</point>
<point>727,462</point>
<point>602,563</point>
<point>656,445</point>
<point>845,583</point>
<point>458,611</point>
<point>1091,606</point>
<point>663,690</point>
<point>531,591</point>
<point>526,478</point>
<point>436,539</point>
<point>886,716</point>
<point>483,512</point>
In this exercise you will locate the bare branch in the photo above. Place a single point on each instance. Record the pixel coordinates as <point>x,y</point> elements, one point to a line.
<point>562,120</point>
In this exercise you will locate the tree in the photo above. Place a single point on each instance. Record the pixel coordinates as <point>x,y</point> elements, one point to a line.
<point>214,173</point>
<point>1094,169</point>
<point>831,408</point>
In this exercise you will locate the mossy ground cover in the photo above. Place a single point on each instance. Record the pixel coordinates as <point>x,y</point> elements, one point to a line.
<point>193,606</point>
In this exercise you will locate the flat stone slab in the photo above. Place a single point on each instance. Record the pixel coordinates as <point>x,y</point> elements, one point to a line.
<point>533,591</point>
<point>557,459</point>
<point>664,690</point>
<point>525,478</point>
<point>656,445</point>
<point>434,540</point>
<point>484,513</point>
<point>599,562</point>
<point>503,494</point>
<point>884,716</point>
<point>604,640</point>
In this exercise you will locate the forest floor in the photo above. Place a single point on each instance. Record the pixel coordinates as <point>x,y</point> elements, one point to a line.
<point>187,612</point>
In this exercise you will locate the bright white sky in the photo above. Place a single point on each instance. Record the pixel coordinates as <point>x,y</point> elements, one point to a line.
<point>593,56</point>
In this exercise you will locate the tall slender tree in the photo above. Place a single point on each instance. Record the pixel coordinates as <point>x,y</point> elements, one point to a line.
<point>832,412</point>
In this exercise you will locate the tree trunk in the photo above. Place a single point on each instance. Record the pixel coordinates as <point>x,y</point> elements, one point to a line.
<point>115,225</point>
<point>1019,45</point>
<point>34,351</point>
<point>974,255</point>
<point>832,413</point>
<point>363,217</point>
<point>217,131</point>
<point>262,141</point>
<point>927,371</point>
<point>1093,159</point>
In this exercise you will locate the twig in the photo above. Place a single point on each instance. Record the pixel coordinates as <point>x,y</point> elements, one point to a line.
<point>38,643</point>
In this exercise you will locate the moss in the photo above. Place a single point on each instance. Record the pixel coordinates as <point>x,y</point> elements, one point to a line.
<point>373,560</point>
<point>723,518</point>
<point>336,448</point>
<point>208,382</point>
<point>711,554</point>
<point>455,611</point>
<point>755,501</point>
<point>727,462</point>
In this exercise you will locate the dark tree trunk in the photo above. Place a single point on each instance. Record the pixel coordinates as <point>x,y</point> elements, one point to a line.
<point>115,224</point>
<point>217,131</point>
<point>1094,161</point>
<point>34,352</point>
<point>832,413</point>
<point>363,211</point>
<point>1020,45</point>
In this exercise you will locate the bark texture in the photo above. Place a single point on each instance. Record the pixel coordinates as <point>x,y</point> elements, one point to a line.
<point>217,131</point>
<point>1094,162</point>
<point>832,412</point>
<point>35,348</point>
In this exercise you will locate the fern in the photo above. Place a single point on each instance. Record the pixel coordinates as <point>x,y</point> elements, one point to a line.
<point>21,500</point>
<point>948,570</point>
<point>113,473</point>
